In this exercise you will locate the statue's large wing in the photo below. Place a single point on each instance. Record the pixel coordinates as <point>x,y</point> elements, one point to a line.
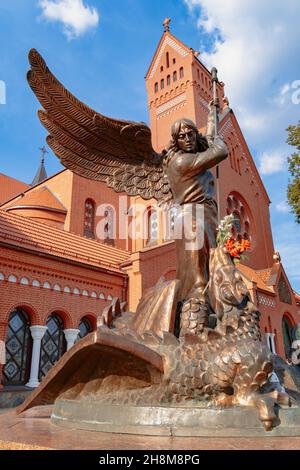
<point>95,146</point>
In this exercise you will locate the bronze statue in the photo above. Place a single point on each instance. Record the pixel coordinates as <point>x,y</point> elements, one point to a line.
<point>217,358</point>
<point>187,164</point>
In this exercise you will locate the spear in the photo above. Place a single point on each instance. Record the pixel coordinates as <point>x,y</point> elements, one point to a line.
<point>214,74</point>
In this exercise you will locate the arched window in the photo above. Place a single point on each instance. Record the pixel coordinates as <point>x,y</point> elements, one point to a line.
<point>175,76</point>
<point>181,72</point>
<point>156,87</point>
<point>152,226</point>
<point>89,218</point>
<point>167,60</point>
<point>288,335</point>
<point>109,229</point>
<point>85,327</point>
<point>174,61</point>
<point>53,344</point>
<point>162,84</point>
<point>161,68</point>
<point>18,345</point>
<point>242,219</point>
<point>170,223</point>
<point>168,80</point>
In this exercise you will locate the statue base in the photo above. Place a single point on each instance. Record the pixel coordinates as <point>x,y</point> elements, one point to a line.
<point>172,420</point>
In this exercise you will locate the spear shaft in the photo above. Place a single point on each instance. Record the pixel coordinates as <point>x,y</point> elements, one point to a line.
<point>214,74</point>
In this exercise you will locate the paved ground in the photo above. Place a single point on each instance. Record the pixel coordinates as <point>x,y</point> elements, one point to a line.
<point>33,430</point>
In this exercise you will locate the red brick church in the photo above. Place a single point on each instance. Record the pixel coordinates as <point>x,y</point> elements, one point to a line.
<point>56,275</point>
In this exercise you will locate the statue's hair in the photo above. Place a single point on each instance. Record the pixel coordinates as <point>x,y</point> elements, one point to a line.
<point>201,140</point>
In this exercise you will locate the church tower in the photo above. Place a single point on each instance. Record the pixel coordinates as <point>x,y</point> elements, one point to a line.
<point>179,85</point>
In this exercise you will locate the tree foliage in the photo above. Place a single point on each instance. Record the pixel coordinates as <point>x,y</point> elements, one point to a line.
<point>293,191</point>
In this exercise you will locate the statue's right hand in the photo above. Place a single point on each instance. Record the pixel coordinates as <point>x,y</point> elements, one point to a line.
<point>214,103</point>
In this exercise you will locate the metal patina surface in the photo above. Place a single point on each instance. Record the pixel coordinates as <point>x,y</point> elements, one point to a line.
<point>192,420</point>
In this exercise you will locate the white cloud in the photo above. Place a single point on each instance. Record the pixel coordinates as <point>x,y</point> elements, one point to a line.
<point>76,17</point>
<point>282,206</point>
<point>257,58</point>
<point>272,162</point>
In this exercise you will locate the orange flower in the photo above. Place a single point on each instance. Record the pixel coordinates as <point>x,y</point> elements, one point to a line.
<point>236,248</point>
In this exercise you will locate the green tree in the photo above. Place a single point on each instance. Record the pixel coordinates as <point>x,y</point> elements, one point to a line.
<point>293,191</point>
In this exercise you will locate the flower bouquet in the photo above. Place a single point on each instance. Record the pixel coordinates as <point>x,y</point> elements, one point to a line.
<point>236,248</point>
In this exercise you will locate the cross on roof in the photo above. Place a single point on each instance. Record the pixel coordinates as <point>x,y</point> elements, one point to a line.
<point>44,151</point>
<point>166,24</point>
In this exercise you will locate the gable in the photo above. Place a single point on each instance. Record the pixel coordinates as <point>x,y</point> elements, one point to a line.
<point>284,291</point>
<point>167,40</point>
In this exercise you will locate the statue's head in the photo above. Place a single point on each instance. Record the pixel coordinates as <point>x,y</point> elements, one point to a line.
<point>186,137</point>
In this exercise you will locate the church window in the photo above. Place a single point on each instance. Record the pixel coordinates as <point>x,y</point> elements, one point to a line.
<point>89,218</point>
<point>85,327</point>
<point>170,223</point>
<point>237,221</point>
<point>174,61</point>
<point>161,69</point>
<point>167,60</point>
<point>152,226</point>
<point>156,87</point>
<point>168,80</point>
<point>288,336</point>
<point>181,72</point>
<point>18,345</point>
<point>109,229</point>
<point>174,76</point>
<point>162,84</point>
<point>53,344</point>
<point>242,219</point>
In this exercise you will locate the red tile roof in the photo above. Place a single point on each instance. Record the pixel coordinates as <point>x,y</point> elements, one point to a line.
<point>10,187</point>
<point>27,233</point>
<point>259,277</point>
<point>41,197</point>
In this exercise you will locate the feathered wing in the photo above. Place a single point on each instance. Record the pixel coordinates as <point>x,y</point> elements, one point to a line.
<point>95,146</point>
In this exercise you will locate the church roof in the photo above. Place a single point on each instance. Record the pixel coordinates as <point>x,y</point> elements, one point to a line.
<point>10,187</point>
<point>260,277</point>
<point>28,234</point>
<point>42,198</point>
<point>41,174</point>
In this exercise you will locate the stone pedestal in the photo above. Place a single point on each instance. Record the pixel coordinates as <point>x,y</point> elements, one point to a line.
<point>173,420</point>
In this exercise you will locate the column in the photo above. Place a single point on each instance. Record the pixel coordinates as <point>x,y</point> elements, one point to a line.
<point>3,330</point>
<point>268,340</point>
<point>37,333</point>
<point>71,336</point>
<point>272,336</point>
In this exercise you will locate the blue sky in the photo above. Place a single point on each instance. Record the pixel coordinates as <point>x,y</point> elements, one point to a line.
<point>101,50</point>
